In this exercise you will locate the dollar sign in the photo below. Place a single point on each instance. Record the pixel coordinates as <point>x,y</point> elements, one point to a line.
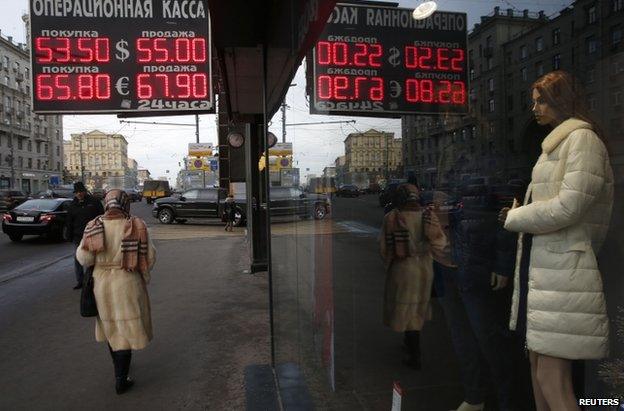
<point>395,55</point>
<point>122,52</point>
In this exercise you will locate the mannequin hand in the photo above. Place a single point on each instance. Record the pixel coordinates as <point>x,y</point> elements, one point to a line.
<point>498,282</point>
<point>502,215</point>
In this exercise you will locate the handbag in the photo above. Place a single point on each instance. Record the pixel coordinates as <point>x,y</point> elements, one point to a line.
<point>88,306</point>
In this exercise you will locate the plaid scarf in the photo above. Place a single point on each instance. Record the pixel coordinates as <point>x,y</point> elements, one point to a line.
<point>399,242</point>
<point>134,243</point>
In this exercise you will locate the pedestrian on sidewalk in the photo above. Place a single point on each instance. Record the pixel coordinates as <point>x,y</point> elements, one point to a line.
<point>229,209</point>
<point>410,236</point>
<point>119,247</point>
<point>82,209</point>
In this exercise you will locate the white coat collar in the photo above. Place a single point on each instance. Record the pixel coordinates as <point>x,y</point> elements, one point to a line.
<point>562,131</point>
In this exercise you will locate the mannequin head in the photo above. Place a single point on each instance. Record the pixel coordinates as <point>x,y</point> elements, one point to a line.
<point>556,98</point>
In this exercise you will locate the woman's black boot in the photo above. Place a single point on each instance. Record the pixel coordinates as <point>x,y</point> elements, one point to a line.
<point>412,340</point>
<point>122,360</point>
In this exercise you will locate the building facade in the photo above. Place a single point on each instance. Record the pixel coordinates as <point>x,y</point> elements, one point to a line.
<point>31,148</point>
<point>143,174</point>
<point>374,152</point>
<point>507,52</point>
<point>100,160</point>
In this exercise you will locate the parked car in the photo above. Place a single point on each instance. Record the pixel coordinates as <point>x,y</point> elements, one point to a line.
<point>42,216</point>
<point>133,194</point>
<point>208,203</point>
<point>98,193</point>
<point>55,193</point>
<point>348,190</point>
<point>10,199</point>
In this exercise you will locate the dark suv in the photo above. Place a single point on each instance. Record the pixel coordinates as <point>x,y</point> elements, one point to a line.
<point>10,199</point>
<point>208,203</point>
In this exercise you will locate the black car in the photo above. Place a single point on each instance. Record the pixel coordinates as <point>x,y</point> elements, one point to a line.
<point>11,198</point>
<point>133,194</point>
<point>348,190</point>
<point>37,217</point>
<point>208,203</point>
<point>55,193</point>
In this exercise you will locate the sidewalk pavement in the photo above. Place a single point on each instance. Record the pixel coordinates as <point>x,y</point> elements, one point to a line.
<point>210,322</point>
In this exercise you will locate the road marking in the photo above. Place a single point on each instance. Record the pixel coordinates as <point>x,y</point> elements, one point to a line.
<point>356,227</point>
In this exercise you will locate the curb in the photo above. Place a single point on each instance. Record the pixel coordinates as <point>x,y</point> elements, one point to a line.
<point>32,269</point>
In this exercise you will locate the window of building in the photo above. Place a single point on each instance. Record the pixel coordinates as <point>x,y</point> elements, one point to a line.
<point>591,75</point>
<point>539,69</point>
<point>472,74</point>
<point>616,35</point>
<point>524,74</point>
<point>592,14</point>
<point>20,144</point>
<point>20,162</point>
<point>6,80</point>
<point>491,84</point>
<point>524,52</point>
<point>592,45</point>
<point>38,145</point>
<point>5,62</point>
<point>539,44</point>
<point>45,148</point>
<point>510,103</point>
<point>58,166</point>
<point>38,164</point>
<point>29,145</point>
<point>617,97</point>
<point>556,61</point>
<point>490,63</point>
<point>58,150</point>
<point>617,5</point>
<point>16,66</point>
<point>30,163</point>
<point>556,36</point>
<point>491,105</point>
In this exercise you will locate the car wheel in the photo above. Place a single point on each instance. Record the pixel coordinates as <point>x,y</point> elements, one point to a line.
<point>16,237</point>
<point>165,216</point>
<point>319,212</point>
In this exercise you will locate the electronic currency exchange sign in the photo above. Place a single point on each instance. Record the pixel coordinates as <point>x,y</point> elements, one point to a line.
<point>114,56</point>
<point>375,60</point>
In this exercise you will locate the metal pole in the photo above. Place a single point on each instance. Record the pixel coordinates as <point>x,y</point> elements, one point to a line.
<point>284,121</point>
<point>197,128</point>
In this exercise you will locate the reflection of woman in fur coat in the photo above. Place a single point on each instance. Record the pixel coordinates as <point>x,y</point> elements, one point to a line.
<point>409,238</point>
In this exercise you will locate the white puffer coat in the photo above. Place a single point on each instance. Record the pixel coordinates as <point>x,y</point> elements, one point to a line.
<point>571,197</point>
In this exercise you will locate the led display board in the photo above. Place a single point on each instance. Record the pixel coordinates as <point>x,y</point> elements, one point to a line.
<point>372,60</point>
<point>120,56</point>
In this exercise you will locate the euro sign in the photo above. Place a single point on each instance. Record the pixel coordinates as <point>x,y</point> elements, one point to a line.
<point>122,50</point>
<point>395,56</point>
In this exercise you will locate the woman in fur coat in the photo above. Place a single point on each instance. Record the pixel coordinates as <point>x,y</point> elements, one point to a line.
<point>119,247</point>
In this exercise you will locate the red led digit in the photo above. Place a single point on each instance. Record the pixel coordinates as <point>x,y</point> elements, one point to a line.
<point>424,61</point>
<point>164,52</point>
<point>199,50</point>
<point>459,93</point>
<point>324,86</point>
<point>84,48</point>
<point>340,51</point>
<point>64,91</point>
<point>183,50</point>
<point>341,83</point>
<point>64,50</point>
<point>411,57</point>
<point>358,80</point>
<point>85,87</point>
<point>200,85</point>
<point>443,59</point>
<point>360,58</point>
<point>183,81</point>
<point>377,91</point>
<point>144,89</point>
<point>457,62</point>
<point>165,83</point>
<point>144,53</point>
<point>102,50</point>
<point>323,53</point>
<point>426,91</point>
<point>374,59</point>
<point>444,94</point>
<point>412,94</point>
<point>44,91</point>
<point>102,87</point>
<point>40,47</point>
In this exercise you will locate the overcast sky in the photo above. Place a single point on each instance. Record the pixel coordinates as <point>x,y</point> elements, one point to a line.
<point>161,148</point>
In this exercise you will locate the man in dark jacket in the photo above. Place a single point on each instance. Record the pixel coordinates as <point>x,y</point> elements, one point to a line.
<point>83,209</point>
